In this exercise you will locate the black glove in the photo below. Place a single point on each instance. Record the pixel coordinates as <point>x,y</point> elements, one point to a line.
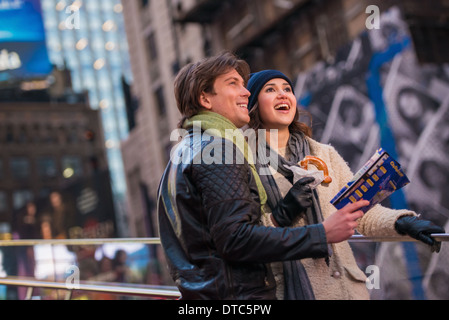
<point>419,230</point>
<point>296,201</point>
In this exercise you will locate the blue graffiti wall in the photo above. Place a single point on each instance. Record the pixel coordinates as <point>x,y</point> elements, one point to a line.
<point>376,94</point>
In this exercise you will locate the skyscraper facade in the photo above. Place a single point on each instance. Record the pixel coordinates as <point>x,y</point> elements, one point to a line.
<point>157,51</point>
<point>88,38</point>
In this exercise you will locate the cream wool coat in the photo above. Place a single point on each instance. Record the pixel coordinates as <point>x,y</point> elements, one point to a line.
<point>343,279</point>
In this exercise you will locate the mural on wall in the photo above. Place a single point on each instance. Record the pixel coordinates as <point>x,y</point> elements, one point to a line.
<point>376,94</point>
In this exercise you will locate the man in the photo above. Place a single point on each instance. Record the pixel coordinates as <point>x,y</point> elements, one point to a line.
<point>210,198</point>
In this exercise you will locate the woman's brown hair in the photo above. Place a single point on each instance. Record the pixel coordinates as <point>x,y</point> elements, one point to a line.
<point>196,78</point>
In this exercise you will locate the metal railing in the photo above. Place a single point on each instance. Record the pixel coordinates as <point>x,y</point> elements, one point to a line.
<point>98,241</point>
<point>146,291</point>
<point>443,237</point>
<point>76,242</point>
<point>156,292</point>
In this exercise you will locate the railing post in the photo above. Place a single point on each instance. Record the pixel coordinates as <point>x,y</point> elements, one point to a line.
<point>29,294</point>
<point>68,295</point>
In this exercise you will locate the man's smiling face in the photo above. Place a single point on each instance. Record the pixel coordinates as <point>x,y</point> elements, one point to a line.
<point>229,98</point>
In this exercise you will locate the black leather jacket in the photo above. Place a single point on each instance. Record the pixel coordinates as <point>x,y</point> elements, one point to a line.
<point>209,224</point>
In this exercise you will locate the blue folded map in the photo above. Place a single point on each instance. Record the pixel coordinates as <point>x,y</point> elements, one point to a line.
<point>375,181</point>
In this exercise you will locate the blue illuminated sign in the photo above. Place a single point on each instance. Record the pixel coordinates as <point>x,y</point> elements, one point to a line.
<point>23,51</point>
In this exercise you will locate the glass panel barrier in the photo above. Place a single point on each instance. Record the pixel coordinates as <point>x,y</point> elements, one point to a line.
<point>127,265</point>
<point>397,268</point>
<point>403,269</point>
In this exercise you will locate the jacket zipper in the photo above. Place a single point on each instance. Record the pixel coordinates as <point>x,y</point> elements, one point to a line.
<point>231,281</point>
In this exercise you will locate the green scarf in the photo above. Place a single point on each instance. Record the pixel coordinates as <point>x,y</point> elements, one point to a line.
<point>213,121</point>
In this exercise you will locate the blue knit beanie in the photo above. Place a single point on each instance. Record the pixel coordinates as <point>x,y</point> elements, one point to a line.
<point>259,79</point>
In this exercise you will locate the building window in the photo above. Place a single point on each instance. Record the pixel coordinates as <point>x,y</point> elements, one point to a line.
<point>44,192</point>
<point>20,168</point>
<point>144,3</point>
<point>35,133</point>
<point>9,135</point>
<point>46,167</point>
<point>72,135</point>
<point>23,135</point>
<point>431,42</point>
<point>48,135</point>
<point>3,201</point>
<point>152,48</point>
<point>160,100</point>
<point>20,198</point>
<point>71,166</point>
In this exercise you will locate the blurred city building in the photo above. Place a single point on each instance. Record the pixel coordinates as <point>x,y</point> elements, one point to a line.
<point>371,73</point>
<point>88,38</point>
<point>294,35</point>
<point>52,150</point>
<point>54,177</point>
<point>290,35</point>
<point>157,50</point>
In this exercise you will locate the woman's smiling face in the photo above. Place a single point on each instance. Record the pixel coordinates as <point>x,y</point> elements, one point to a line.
<point>277,104</point>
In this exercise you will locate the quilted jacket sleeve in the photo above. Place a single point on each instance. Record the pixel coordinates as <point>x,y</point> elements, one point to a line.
<point>230,201</point>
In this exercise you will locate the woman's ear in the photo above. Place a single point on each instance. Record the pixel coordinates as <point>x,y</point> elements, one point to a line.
<point>205,101</point>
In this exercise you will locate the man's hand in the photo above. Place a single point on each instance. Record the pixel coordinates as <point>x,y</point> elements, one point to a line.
<point>341,224</point>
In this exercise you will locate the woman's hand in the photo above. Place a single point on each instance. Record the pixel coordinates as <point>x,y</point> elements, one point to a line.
<point>295,203</point>
<point>420,230</point>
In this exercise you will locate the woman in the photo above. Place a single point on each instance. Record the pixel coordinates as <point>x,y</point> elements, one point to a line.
<point>273,105</point>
